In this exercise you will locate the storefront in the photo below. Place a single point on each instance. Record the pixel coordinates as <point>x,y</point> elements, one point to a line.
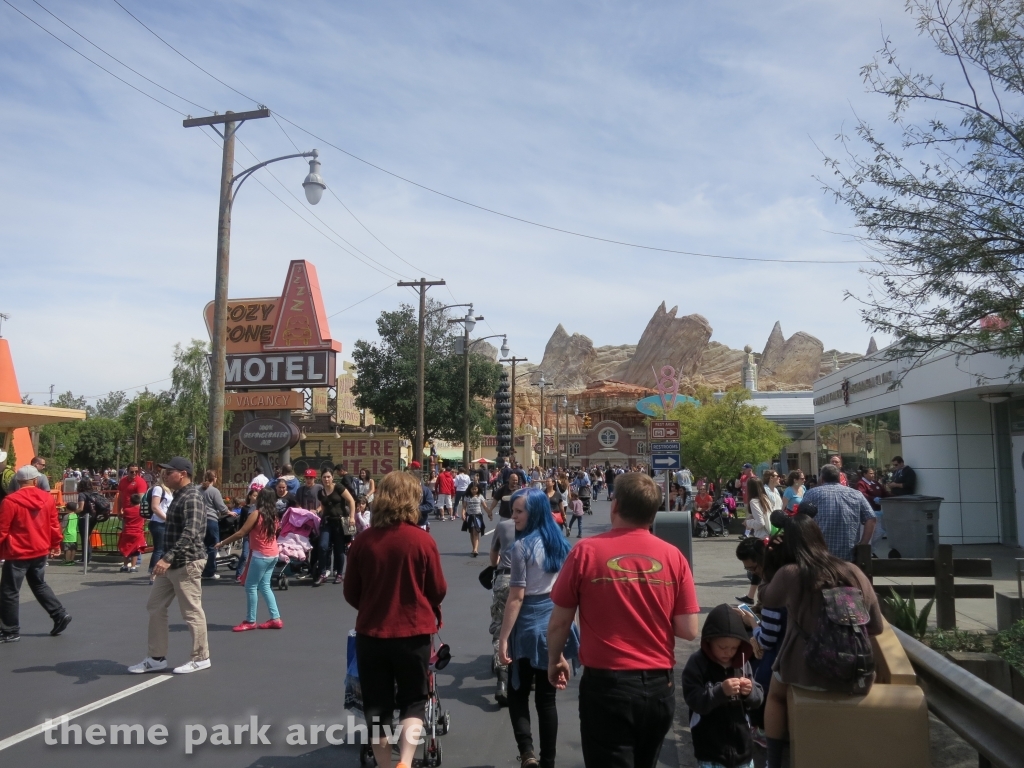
<point>956,420</point>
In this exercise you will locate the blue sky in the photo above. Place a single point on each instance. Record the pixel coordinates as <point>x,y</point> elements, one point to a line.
<point>685,125</point>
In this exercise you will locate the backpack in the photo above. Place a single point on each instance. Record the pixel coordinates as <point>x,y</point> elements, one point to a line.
<point>839,647</point>
<point>100,506</point>
<point>145,508</point>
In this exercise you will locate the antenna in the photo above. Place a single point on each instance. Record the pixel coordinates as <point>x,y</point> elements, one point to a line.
<point>2,318</point>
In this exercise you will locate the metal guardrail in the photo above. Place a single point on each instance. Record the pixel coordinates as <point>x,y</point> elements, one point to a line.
<point>987,719</point>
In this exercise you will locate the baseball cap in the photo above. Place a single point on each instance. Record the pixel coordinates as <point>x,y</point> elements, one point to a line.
<point>27,473</point>
<point>179,463</point>
<point>310,473</point>
<point>748,466</point>
<point>414,465</point>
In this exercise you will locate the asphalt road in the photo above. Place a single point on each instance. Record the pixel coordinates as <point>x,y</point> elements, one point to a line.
<point>290,677</point>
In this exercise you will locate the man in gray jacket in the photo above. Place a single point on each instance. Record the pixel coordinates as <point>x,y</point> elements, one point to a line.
<point>214,504</point>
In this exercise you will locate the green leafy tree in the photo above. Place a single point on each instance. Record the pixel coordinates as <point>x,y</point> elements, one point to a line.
<point>110,406</point>
<point>386,376</point>
<point>721,434</point>
<point>942,206</point>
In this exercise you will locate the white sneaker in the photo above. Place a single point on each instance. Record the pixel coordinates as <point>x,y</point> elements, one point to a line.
<point>148,664</point>
<point>192,666</point>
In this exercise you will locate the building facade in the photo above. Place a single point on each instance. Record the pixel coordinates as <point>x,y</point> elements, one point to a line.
<point>956,420</point>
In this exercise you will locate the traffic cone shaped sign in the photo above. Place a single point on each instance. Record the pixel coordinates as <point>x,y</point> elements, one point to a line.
<point>95,541</point>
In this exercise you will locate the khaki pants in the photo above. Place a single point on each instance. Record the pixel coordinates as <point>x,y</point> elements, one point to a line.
<point>186,585</point>
<point>499,595</point>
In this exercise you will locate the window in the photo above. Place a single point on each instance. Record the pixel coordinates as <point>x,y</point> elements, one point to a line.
<point>574,449</point>
<point>641,448</point>
<point>870,441</point>
<point>608,437</point>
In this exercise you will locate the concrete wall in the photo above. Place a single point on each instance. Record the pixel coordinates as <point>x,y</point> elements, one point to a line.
<point>951,447</point>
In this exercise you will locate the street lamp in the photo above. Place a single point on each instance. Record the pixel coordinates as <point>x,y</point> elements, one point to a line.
<point>468,324</point>
<point>565,410</point>
<point>314,187</point>
<point>513,360</point>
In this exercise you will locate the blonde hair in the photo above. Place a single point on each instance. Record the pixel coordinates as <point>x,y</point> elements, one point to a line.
<point>397,500</point>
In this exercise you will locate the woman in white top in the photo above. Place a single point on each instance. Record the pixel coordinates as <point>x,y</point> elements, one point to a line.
<point>160,498</point>
<point>771,479</point>
<point>759,509</point>
<point>473,516</point>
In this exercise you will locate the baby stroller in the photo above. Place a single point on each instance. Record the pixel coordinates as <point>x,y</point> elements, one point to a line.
<point>710,523</point>
<point>227,525</point>
<point>297,525</point>
<point>436,721</point>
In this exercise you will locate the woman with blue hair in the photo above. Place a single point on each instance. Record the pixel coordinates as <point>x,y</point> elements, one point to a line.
<point>537,557</point>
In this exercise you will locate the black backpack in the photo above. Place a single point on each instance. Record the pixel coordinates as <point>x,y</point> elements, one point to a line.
<point>839,647</point>
<point>100,506</point>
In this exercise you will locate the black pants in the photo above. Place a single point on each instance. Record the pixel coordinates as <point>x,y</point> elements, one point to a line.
<point>393,675</point>
<point>547,714</point>
<point>624,716</point>
<point>14,572</point>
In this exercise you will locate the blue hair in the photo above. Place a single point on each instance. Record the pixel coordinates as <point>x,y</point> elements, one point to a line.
<point>541,528</point>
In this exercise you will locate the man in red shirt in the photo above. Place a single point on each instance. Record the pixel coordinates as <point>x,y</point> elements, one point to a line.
<point>130,484</point>
<point>29,530</point>
<point>632,608</point>
<point>445,492</point>
<point>837,462</point>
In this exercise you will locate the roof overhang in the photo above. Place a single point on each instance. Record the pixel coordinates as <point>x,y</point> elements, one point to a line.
<point>15,415</point>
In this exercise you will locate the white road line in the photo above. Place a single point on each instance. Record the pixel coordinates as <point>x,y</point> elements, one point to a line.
<point>489,532</point>
<point>17,738</point>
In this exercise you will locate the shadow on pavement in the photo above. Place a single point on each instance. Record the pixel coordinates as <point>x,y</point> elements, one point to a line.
<point>209,628</point>
<point>86,670</point>
<point>480,697</point>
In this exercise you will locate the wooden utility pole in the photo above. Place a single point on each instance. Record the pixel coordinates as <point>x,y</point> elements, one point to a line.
<point>514,360</point>
<point>420,285</point>
<point>231,121</point>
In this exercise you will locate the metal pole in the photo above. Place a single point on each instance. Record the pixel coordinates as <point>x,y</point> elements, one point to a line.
<point>85,544</point>
<point>512,415</point>
<point>543,465</point>
<point>465,401</point>
<point>138,415</point>
<point>218,358</point>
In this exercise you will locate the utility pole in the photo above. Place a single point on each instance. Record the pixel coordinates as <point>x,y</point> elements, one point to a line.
<point>138,417</point>
<point>514,360</point>
<point>52,387</point>
<point>218,359</point>
<point>420,285</point>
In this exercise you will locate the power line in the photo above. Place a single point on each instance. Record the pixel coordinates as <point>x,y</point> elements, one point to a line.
<point>493,211</point>
<point>90,42</point>
<point>91,61</point>
<point>346,309</point>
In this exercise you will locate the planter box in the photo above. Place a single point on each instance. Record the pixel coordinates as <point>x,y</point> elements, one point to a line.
<point>1017,681</point>
<point>985,666</point>
<point>1007,610</point>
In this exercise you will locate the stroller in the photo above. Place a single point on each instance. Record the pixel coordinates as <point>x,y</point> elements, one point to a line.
<point>436,722</point>
<point>710,523</point>
<point>227,525</point>
<point>297,525</point>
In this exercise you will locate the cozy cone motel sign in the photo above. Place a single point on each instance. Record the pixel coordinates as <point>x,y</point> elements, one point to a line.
<point>280,343</point>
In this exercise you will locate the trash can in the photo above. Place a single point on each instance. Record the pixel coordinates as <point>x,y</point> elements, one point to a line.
<point>912,524</point>
<point>676,528</point>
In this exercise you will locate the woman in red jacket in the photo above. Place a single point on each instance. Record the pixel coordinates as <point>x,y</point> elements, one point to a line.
<point>394,580</point>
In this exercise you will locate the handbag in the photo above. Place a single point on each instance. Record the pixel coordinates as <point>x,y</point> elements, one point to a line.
<point>348,527</point>
<point>487,577</point>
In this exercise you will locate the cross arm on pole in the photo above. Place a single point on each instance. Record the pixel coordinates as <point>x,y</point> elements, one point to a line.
<point>227,117</point>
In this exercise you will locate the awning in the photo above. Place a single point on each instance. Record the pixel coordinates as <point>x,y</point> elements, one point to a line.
<point>14,415</point>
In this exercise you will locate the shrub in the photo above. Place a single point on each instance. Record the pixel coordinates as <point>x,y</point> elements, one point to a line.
<point>957,640</point>
<point>1010,645</point>
<point>905,616</point>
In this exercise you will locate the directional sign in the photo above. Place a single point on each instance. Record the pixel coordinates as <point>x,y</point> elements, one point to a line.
<point>666,461</point>
<point>672,447</point>
<point>664,430</point>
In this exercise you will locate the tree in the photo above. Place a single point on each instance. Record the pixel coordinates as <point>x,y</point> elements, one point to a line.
<point>721,434</point>
<point>386,376</point>
<point>109,407</point>
<point>944,212</point>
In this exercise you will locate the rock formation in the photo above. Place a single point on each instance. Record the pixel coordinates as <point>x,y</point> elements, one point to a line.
<point>568,360</point>
<point>872,347</point>
<point>799,361</point>
<point>773,350</point>
<point>668,340</point>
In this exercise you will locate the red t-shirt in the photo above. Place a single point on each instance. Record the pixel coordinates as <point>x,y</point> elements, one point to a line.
<point>628,585</point>
<point>446,483</point>
<point>127,486</point>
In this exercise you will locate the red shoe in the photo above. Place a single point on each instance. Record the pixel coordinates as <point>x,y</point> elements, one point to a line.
<point>245,626</point>
<point>272,624</point>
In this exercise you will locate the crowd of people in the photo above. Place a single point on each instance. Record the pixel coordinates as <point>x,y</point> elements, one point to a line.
<point>613,603</point>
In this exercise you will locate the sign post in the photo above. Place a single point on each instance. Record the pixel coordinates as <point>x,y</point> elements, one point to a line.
<point>673,527</point>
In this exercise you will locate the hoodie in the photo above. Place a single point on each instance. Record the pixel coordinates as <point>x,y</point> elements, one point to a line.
<point>718,723</point>
<point>28,525</point>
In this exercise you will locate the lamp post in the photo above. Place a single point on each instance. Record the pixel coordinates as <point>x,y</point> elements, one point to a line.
<point>314,187</point>
<point>191,440</point>
<point>576,414</point>
<point>542,384</point>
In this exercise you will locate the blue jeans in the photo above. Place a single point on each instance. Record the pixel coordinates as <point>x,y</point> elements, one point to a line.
<point>579,524</point>
<point>331,532</point>
<point>261,568</point>
<point>243,557</point>
<point>211,540</point>
<point>157,529</point>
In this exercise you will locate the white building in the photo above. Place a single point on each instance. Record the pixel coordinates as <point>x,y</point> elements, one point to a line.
<point>957,421</point>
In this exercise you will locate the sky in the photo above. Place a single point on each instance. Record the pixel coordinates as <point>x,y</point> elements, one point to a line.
<point>690,126</point>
